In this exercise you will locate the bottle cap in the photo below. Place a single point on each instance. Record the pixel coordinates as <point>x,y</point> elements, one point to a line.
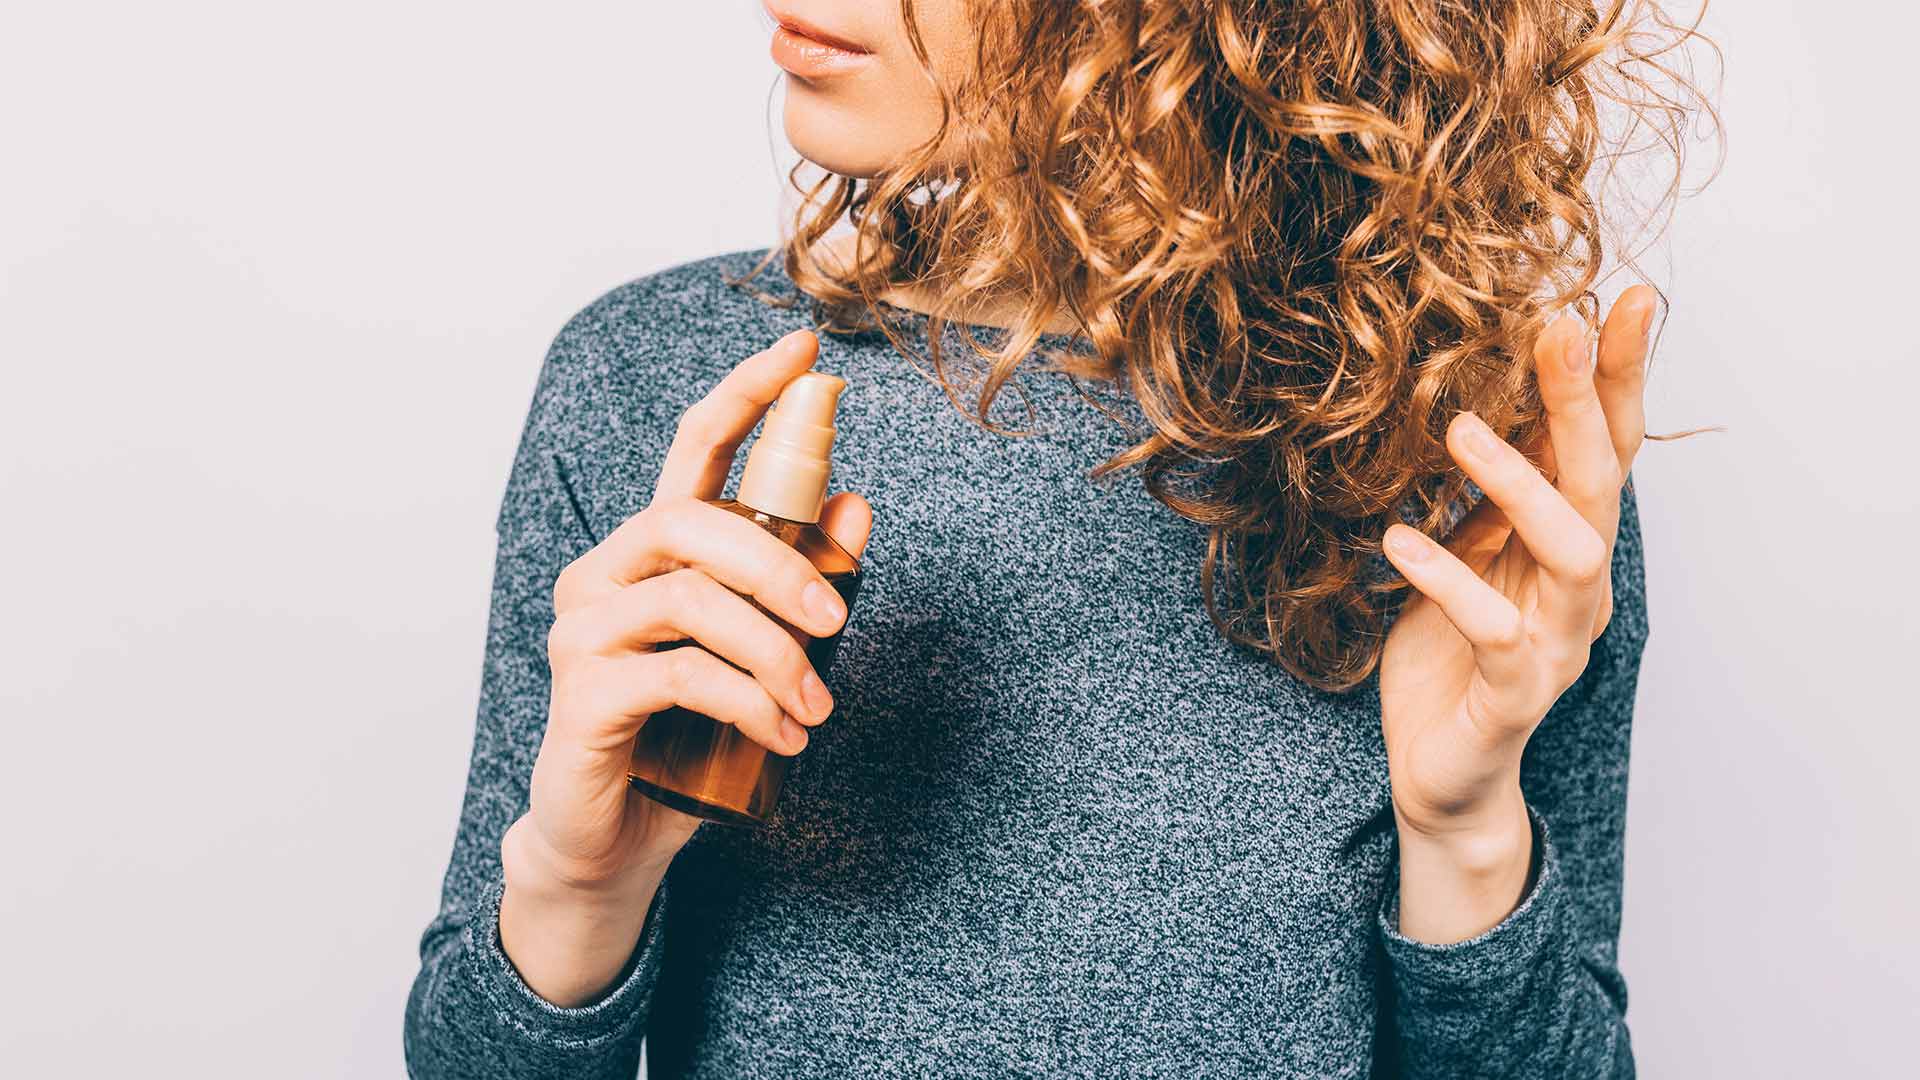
<point>786,472</point>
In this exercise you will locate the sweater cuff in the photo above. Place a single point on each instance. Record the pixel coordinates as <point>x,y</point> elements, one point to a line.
<point>1510,947</point>
<point>585,1027</point>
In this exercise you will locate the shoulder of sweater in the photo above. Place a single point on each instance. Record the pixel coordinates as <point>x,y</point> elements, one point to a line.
<point>657,342</point>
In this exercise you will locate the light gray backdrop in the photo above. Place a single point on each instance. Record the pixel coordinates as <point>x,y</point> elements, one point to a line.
<point>275,282</point>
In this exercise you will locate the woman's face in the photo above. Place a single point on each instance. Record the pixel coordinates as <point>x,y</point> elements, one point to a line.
<point>858,99</point>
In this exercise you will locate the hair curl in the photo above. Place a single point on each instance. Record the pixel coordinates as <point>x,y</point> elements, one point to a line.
<point>1301,235</point>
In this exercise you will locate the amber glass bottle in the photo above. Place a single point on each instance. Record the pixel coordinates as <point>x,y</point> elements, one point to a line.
<point>688,760</point>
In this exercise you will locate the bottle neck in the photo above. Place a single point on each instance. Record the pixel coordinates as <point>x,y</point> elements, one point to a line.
<point>783,482</point>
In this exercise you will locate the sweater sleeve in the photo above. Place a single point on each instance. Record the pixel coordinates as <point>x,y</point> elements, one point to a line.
<point>1541,994</point>
<point>469,1014</point>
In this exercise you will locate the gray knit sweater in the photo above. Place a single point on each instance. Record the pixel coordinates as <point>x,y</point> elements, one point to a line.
<point>1056,827</point>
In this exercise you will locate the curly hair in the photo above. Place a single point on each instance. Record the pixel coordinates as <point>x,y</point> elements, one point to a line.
<point>1301,235</point>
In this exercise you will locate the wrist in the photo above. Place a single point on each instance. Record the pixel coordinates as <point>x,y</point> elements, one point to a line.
<point>568,939</point>
<point>1482,839</point>
<point>1463,875</point>
<point>533,868</point>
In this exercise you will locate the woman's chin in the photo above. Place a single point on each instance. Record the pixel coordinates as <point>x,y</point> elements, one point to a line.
<point>838,142</point>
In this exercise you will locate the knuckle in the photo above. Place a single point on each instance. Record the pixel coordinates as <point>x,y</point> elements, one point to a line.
<point>1511,632</point>
<point>768,712</point>
<point>1569,661</point>
<point>1584,574</point>
<point>714,604</point>
<point>581,582</point>
<point>691,417</point>
<point>684,669</point>
<point>654,518</point>
<point>575,698</point>
<point>653,531</point>
<point>699,424</point>
<point>563,640</point>
<point>671,528</point>
<point>675,669</point>
<point>656,515</point>
<point>794,658</point>
<point>560,691</point>
<point>796,667</point>
<point>564,586</point>
<point>680,590</point>
<point>1606,480</point>
<point>1589,563</point>
<point>1581,404</point>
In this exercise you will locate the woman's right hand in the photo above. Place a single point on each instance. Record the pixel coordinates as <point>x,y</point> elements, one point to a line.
<point>582,865</point>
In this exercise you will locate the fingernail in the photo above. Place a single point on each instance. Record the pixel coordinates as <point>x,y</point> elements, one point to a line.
<point>1578,354</point>
<point>1646,324</point>
<point>823,606</point>
<point>791,730</point>
<point>819,701</point>
<point>1479,438</point>
<point>1408,546</point>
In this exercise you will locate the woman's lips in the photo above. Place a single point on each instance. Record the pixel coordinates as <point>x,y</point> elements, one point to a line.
<point>800,53</point>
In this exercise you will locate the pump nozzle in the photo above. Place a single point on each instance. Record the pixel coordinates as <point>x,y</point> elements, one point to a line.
<point>787,468</point>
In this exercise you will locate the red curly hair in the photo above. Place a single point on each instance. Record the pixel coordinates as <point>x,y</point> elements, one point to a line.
<point>1301,235</point>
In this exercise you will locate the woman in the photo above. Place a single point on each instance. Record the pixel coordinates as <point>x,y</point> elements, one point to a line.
<point>1179,778</point>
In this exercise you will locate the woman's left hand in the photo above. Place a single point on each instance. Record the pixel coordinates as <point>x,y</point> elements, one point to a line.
<point>1501,623</point>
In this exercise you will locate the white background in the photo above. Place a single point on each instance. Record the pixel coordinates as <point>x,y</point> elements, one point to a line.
<point>274,285</point>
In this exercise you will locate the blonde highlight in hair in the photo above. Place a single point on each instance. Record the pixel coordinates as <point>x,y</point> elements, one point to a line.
<point>1302,236</point>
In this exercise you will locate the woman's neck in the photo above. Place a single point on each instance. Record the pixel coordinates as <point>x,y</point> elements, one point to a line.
<point>1003,312</point>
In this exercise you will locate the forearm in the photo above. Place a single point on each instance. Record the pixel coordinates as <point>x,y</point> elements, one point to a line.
<point>1527,996</point>
<point>569,941</point>
<point>1462,876</point>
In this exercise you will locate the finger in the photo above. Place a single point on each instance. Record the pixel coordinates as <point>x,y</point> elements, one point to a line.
<point>1619,382</point>
<point>848,518</point>
<point>687,604</point>
<point>712,429</point>
<point>1620,378</point>
<point>1621,375</point>
<point>1588,470</point>
<point>1571,553</point>
<point>685,532</point>
<point>614,696</point>
<point>1489,621</point>
<point>1480,536</point>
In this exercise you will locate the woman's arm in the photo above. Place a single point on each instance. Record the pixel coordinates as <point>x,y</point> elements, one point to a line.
<point>1539,993</point>
<point>546,951</point>
<point>1506,700</point>
<point>470,1012</point>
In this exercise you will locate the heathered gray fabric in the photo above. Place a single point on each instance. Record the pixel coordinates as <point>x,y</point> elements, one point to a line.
<point>1056,826</point>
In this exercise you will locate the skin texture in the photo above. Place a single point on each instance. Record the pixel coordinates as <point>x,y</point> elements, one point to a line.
<point>1501,625</point>
<point>858,121</point>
